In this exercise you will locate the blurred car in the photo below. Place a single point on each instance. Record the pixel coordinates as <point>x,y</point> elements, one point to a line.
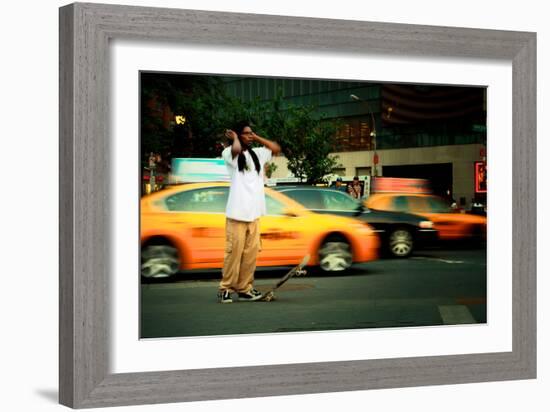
<point>478,209</point>
<point>449,224</point>
<point>183,228</point>
<point>400,233</point>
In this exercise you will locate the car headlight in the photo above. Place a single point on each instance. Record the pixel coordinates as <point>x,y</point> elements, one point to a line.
<point>427,224</point>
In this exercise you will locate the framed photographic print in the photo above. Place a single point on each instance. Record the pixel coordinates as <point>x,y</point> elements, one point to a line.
<point>386,134</point>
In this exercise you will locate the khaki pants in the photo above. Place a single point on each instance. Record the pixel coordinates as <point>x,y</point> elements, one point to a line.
<point>242,244</point>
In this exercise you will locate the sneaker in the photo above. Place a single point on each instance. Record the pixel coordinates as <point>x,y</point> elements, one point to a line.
<point>250,296</point>
<point>224,296</point>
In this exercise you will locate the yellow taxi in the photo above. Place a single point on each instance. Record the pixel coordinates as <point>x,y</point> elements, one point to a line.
<point>183,228</point>
<point>450,224</point>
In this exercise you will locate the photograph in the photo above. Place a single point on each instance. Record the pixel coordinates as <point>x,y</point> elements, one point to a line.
<point>284,205</point>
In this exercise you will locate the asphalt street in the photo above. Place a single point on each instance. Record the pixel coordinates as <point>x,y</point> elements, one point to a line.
<point>434,287</point>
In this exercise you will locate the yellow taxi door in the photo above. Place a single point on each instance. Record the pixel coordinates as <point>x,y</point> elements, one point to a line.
<point>201,213</point>
<point>282,236</point>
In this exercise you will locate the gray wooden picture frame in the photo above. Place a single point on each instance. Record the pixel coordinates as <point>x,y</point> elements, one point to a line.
<point>85,32</point>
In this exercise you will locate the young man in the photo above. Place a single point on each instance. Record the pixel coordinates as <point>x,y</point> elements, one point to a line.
<point>245,205</point>
<point>339,185</point>
<point>355,188</point>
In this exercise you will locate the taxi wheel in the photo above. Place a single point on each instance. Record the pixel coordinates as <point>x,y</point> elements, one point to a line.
<point>400,243</point>
<point>159,261</point>
<point>335,255</point>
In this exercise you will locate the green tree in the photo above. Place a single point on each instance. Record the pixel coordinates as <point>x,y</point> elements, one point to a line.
<point>305,137</point>
<point>270,168</point>
<point>200,100</point>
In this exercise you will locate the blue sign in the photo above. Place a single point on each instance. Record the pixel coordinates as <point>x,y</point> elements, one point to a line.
<point>189,170</point>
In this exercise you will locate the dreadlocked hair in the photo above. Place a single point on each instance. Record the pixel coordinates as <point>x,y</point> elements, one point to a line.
<point>241,161</point>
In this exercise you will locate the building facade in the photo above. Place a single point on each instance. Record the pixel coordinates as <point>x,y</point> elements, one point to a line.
<point>392,130</point>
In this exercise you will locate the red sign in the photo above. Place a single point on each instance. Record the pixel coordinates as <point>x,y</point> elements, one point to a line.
<point>158,178</point>
<point>375,160</point>
<point>480,171</point>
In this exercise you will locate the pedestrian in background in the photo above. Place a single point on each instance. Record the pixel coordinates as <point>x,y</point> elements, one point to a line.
<point>339,185</point>
<point>355,188</point>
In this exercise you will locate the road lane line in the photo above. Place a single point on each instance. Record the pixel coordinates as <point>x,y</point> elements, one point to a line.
<point>437,259</point>
<point>456,315</point>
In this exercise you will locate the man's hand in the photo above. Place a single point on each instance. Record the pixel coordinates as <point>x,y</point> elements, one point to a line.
<point>230,134</point>
<point>273,146</point>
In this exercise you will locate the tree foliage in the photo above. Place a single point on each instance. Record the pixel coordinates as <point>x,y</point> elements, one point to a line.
<point>201,100</point>
<point>306,139</point>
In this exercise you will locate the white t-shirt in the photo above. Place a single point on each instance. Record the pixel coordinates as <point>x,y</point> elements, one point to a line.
<point>246,200</point>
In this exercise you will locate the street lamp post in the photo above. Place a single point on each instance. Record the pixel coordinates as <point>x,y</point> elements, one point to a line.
<point>372,134</point>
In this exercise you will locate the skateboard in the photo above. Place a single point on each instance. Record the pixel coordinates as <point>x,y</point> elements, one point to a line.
<point>295,271</point>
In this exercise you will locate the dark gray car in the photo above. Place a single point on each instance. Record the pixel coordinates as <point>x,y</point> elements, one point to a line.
<point>400,233</point>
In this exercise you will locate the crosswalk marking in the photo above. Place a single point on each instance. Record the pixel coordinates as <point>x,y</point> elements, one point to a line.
<point>456,315</point>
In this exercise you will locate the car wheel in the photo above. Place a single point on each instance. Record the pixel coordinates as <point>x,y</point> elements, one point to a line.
<point>400,243</point>
<point>159,261</point>
<point>335,255</point>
